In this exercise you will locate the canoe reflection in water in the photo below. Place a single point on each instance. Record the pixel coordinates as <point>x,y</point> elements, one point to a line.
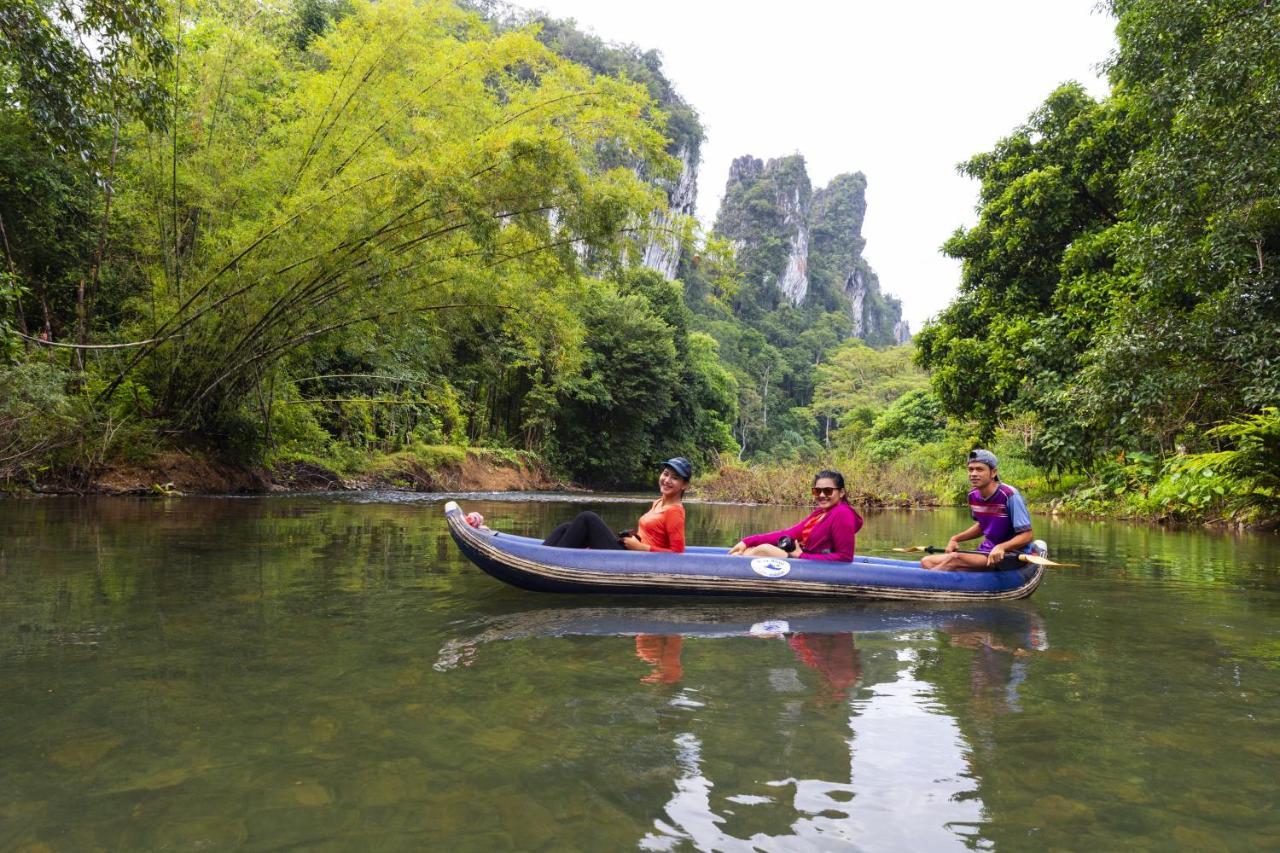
<point>821,635</point>
<point>895,722</point>
<point>710,621</point>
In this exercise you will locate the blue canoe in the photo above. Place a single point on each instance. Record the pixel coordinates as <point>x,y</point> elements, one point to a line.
<point>528,564</point>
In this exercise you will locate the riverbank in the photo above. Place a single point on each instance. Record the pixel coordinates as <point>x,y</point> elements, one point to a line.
<point>903,483</point>
<point>421,469</point>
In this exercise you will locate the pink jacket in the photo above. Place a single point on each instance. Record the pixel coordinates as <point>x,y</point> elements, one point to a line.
<point>831,539</point>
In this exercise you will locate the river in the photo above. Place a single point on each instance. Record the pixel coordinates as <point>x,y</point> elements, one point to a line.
<point>326,672</point>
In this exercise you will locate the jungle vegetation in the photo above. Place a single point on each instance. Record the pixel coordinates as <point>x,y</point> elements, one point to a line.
<point>274,230</point>
<point>1120,295</point>
<point>319,228</point>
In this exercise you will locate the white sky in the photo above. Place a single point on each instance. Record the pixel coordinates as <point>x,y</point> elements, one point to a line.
<point>900,91</point>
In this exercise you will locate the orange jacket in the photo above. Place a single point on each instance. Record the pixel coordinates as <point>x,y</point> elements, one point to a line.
<point>662,528</point>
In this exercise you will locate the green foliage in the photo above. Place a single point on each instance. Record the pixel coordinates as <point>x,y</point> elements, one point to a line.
<point>1183,495</point>
<point>358,226</point>
<point>1049,187</point>
<point>1250,467</point>
<point>856,385</point>
<point>11,292</point>
<point>913,419</point>
<point>605,427</point>
<point>332,229</point>
<point>409,173</point>
<point>1121,285</point>
<point>313,18</point>
<point>72,68</point>
<point>647,390</point>
<point>714,400</point>
<point>36,416</point>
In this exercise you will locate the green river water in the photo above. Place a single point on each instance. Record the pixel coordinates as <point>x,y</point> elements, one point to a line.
<point>327,673</point>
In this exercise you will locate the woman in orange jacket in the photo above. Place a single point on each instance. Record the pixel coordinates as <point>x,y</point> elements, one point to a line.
<point>659,529</point>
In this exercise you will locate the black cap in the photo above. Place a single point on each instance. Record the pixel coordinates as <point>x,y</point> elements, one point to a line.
<point>682,467</point>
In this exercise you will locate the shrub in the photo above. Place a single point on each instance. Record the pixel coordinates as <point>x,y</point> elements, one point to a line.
<point>35,416</point>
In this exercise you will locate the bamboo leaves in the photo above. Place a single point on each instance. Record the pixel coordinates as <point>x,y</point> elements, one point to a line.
<point>416,164</point>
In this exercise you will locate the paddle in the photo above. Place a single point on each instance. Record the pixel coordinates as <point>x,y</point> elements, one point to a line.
<point>1026,558</point>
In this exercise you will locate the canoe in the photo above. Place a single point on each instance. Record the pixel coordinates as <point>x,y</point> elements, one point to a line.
<point>528,564</point>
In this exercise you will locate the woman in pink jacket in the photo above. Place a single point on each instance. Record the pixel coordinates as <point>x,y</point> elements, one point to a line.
<point>827,533</point>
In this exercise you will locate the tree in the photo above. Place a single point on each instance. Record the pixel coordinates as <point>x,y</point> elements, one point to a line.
<point>605,425</point>
<point>857,384</point>
<point>913,419</point>
<point>415,167</point>
<point>73,73</point>
<point>1050,186</point>
<point>1205,194</point>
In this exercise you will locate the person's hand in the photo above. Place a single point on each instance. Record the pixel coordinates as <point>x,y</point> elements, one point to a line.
<point>738,550</point>
<point>996,555</point>
<point>952,545</point>
<point>631,543</point>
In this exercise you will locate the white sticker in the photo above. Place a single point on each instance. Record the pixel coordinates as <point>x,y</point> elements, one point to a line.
<point>770,628</point>
<point>770,567</point>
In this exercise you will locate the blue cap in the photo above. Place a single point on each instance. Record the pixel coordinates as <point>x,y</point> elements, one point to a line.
<point>986,457</point>
<point>682,467</point>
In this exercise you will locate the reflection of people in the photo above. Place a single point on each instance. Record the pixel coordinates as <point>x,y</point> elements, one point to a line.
<point>663,652</point>
<point>1000,517</point>
<point>999,667</point>
<point>832,655</point>
<point>659,529</point>
<point>827,533</point>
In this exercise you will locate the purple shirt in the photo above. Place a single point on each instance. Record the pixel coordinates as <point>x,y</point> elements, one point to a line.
<point>999,516</point>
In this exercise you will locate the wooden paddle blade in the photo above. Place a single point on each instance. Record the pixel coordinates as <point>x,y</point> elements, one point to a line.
<point>1045,561</point>
<point>912,549</point>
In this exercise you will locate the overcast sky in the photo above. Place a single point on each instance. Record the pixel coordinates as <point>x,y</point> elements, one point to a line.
<point>900,91</point>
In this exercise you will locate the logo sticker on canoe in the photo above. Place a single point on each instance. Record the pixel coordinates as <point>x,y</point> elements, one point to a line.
<point>770,567</point>
<point>770,628</point>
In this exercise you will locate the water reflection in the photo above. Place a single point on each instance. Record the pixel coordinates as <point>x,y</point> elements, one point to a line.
<point>833,656</point>
<point>931,789</point>
<point>662,652</point>
<point>292,673</point>
<point>852,727</point>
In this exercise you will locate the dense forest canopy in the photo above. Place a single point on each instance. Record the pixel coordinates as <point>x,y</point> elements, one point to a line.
<point>315,229</point>
<point>365,223</point>
<point>1121,288</point>
<point>295,228</point>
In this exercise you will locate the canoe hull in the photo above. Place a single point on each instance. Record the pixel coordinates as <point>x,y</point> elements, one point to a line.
<point>528,564</point>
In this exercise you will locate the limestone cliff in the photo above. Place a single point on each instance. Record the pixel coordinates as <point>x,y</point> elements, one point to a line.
<point>803,248</point>
<point>662,249</point>
<point>765,213</point>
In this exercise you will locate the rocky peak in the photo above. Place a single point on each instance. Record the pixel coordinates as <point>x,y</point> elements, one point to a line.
<point>771,200</point>
<point>799,246</point>
<point>745,170</point>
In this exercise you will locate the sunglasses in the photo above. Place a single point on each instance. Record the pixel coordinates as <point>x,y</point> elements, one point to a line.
<point>824,491</point>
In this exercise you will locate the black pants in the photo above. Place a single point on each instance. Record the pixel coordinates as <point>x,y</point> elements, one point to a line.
<point>587,530</point>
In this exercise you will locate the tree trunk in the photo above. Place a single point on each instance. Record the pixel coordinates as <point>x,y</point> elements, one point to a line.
<point>17,299</point>
<point>84,304</point>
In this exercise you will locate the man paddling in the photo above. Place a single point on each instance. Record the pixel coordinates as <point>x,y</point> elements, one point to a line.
<point>1000,517</point>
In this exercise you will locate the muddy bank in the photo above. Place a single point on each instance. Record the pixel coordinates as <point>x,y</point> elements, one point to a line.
<point>178,472</point>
